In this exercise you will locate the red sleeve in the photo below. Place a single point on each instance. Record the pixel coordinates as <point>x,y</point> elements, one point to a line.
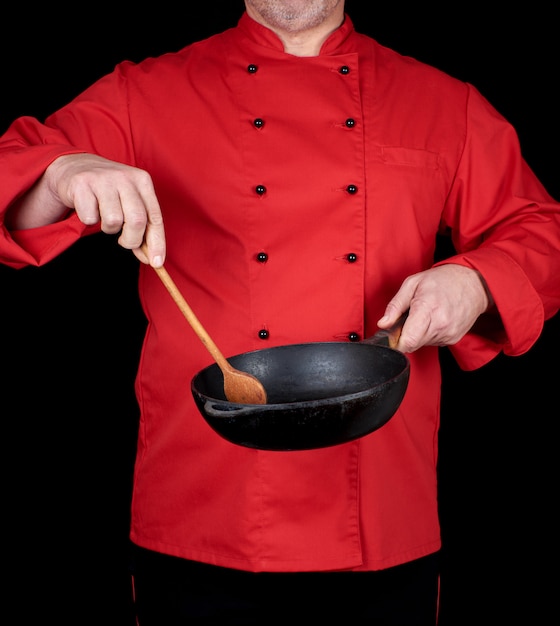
<point>29,146</point>
<point>510,234</point>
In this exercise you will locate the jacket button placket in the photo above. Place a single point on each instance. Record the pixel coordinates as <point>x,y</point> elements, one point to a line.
<point>352,190</point>
<point>260,190</point>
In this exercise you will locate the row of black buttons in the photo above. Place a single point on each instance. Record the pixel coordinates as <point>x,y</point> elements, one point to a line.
<point>262,257</point>
<point>261,189</point>
<point>252,69</point>
<point>265,334</point>
<point>258,122</point>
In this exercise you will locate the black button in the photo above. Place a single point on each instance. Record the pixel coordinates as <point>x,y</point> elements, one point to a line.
<point>260,189</point>
<point>352,257</point>
<point>354,337</point>
<point>252,68</point>
<point>344,69</point>
<point>258,122</point>
<point>263,333</point>
<point>351,189</point>
<point>350,122</point>
<point>262,257</point>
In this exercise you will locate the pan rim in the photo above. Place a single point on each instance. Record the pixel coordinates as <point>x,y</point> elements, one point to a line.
<point>231,408</point>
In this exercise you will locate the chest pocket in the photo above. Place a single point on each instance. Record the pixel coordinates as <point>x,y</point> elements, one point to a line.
<point>408,157</point>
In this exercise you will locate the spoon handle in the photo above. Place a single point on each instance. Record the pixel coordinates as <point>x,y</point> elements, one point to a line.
<point>191,318</point>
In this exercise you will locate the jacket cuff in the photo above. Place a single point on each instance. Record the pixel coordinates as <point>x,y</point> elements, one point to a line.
<point>37,246</point>
<point>518,318</point>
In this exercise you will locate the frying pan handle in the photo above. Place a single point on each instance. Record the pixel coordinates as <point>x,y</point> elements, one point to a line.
<point>212,409</point>
<point>389,336</point>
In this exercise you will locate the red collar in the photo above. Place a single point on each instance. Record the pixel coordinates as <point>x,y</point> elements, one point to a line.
<point>263,36</point>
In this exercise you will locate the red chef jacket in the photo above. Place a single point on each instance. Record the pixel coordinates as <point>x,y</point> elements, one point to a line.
<point>358,151</point>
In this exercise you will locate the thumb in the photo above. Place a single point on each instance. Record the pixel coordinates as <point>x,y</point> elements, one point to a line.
<point>393,311</point>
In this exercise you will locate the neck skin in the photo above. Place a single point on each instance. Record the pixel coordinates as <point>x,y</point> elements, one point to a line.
<point>308,41</point>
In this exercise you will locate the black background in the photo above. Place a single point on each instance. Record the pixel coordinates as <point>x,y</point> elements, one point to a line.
<point>71,334</point>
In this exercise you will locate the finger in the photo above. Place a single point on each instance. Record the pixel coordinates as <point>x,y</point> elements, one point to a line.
<point>154,237</point>
<point>104,197</point>
<point>141,254</point>
<point>87,207</point>
<point>143,223</point>
<point>390,316</point>
<point>111,212</point>
<point>415,331</point>
<point>396,307</point>
<point>134,220</point>
<point>150,255</point>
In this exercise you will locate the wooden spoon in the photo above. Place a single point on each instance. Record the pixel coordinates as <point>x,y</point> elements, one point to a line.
<point>240,387</point>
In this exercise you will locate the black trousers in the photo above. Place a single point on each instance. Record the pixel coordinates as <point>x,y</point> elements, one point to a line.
<point>169,591</point>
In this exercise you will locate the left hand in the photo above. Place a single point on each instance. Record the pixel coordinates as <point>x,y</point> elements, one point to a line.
<point>443,303</point>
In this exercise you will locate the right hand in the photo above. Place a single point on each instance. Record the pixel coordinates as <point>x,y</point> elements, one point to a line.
<point>122,198</point>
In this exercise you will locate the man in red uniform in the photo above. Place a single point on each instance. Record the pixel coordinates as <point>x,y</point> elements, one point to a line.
<point>291,159</point>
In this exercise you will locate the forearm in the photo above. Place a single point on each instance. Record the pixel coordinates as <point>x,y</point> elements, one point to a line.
<point>37,207</point>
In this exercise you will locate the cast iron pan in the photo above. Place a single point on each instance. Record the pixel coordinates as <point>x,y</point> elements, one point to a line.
<point>318,394</point>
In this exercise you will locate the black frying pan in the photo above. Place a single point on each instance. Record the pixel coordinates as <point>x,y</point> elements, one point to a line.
<point>318,394</point>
